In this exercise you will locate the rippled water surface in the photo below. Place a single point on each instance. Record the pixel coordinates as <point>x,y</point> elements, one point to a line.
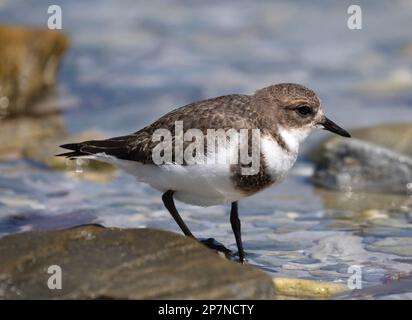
<point>132,61</point>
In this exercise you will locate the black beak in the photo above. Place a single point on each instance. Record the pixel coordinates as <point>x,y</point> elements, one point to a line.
<point>333,127</point>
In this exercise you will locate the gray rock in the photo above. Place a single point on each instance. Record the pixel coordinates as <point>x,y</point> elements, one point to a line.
<point>123,264</point>
<point>355,165</point>
<point>394,136</point>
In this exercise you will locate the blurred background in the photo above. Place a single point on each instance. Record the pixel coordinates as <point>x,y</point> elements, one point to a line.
<point>116,66</point>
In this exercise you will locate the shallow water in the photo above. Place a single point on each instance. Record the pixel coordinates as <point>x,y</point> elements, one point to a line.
<point>131,62</point>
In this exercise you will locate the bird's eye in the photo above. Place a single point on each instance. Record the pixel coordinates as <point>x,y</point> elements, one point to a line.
<point>304,110</point>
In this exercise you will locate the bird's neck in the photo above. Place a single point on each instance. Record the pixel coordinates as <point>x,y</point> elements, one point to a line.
<point>293,137</point>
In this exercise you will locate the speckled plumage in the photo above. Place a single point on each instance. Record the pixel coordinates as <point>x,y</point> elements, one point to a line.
<point>282,114</point>
<point>263,111</point>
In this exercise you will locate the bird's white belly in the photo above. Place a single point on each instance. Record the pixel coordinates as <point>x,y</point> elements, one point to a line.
<point>203,184</point>
<point>199,184</point>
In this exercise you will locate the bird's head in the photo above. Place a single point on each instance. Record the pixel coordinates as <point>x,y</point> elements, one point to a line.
<point>296,109</point>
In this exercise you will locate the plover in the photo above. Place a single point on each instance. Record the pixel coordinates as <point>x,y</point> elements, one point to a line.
<point>284,115</point>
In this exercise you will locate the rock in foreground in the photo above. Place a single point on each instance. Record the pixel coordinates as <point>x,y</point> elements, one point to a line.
<point>355,165</point>
<point>123,264</point>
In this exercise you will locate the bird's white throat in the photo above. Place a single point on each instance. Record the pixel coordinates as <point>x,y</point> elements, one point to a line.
<point>294,137</point>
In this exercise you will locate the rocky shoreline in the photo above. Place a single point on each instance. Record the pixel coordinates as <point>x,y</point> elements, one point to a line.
<point>110,263</point>
<point>367,181</point>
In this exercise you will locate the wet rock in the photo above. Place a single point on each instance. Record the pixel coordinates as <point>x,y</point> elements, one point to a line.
<point>301,289</point>
<point>28,67</point>
<point>355,165</point>
<point>394,136</point>
<point>123,264</point>
<point>44,151</point>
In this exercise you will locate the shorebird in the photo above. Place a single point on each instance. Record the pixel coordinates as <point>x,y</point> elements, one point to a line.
<point>284,115</point>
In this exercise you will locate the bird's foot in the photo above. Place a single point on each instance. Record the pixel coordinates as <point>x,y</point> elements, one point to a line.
<point>217,246</point>
<point>213,244</point>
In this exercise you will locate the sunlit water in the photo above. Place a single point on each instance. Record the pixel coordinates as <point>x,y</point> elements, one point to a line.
<point>131,62</point>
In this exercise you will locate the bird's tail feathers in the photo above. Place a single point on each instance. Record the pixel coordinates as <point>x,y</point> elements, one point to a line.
<point>116,147</point>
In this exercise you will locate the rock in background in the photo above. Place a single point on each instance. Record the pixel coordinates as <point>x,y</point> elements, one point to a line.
<point>45,150</point>
<point>29,60</point>
<point>18,133</point>
<point>394,136</point>
<point>31,124</point>
<point>355,165</point>
<point>380,163</point>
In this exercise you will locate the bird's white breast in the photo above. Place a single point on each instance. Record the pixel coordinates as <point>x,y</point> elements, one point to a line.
<point>209,184</point>
<point>278,161</point>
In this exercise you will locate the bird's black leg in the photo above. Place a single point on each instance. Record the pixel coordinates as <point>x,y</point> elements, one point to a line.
<point>170,206</point>
<point>235,222</point>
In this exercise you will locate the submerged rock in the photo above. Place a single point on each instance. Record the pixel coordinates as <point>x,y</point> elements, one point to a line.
<point>400,246</point>
<point>123,264</point>
<point>362,204</point>
<point>29,60</point>
<point>355,165</point>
